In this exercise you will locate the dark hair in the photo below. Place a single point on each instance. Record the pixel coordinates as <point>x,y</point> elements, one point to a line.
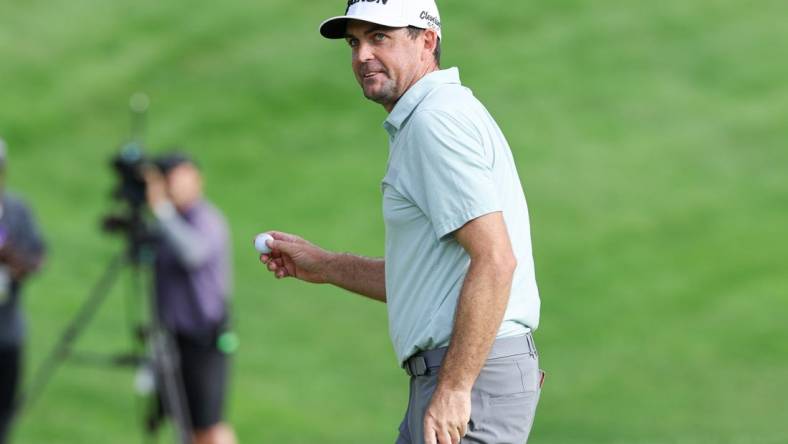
<point>414,32</point>
<point>168,161</point>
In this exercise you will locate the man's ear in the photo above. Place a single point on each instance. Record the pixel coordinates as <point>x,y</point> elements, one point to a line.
<point>430,42</point>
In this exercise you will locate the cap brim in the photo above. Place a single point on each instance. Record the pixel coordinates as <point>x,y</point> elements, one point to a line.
<point>336,27</point>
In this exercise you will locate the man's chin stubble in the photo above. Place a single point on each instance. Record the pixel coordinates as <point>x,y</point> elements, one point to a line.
<point>383,97</point>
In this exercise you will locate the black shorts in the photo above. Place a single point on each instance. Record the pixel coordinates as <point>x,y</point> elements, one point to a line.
<point>10,370</point>
<point>204,371</point>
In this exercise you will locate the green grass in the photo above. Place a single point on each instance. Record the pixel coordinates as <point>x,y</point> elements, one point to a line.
<point>650,138</point>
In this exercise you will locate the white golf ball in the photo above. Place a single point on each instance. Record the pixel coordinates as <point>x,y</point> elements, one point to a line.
<point>261,243</point>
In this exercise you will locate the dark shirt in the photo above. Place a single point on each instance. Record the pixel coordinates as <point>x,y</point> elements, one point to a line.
<point>193,273</point>
<point>19,232</point>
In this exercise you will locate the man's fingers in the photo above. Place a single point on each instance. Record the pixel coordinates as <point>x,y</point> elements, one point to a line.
<point>294,257</point>
<point>429,436</point>
<point>455,436</point>
<point>287,237</point>
<point>274,265</point>
<point>283,246</point>
<point>281,236</point>
<point>266,258</point>
<point>443,432</point>
<point>444,438</point>
<point>430,431</point>
<point>434,433</point>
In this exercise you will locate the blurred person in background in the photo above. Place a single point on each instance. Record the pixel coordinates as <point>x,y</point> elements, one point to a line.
<point>21,254</point>
<point>458,274</point>
<point>192,281</point>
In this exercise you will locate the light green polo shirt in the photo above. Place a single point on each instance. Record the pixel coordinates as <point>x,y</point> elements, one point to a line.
<point>448,164</point>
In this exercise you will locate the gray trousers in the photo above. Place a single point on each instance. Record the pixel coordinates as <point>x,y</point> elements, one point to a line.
<point>503,399</point>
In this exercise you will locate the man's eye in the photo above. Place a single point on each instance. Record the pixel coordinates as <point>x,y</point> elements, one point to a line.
<point>379,37</point>
<point>352,42</point>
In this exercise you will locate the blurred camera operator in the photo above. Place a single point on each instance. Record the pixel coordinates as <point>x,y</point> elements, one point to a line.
<point>21,254</point>
<point>192,281</point>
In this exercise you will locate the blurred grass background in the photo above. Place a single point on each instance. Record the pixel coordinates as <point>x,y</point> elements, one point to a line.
<point>650,139</point>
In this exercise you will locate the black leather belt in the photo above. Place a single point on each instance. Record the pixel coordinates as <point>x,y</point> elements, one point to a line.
<point>423,362</point>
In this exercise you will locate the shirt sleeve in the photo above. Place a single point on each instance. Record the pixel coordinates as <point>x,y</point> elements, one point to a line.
<point>195,244</point>
<point>453,174</point>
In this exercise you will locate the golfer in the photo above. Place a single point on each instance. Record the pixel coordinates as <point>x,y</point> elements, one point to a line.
<point>458,273</point>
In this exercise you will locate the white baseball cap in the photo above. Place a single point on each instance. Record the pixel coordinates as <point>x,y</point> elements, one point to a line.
<point>392,13</point>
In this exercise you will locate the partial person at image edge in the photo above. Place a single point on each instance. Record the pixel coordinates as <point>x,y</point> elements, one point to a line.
<point>21,254</point>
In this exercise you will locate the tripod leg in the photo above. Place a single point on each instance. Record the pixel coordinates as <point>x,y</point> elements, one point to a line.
<point>166,361</point>
<point>96,297</point>
<point>171,388</point>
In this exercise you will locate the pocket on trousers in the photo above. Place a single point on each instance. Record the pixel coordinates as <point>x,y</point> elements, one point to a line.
<point>506,397</point>
<point>507,419</point>
<point>510,378</point>
<point>513,399</point>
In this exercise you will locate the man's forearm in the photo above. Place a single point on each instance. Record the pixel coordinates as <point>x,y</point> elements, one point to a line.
<point>480,310</point>
<point>361,275</point>
<point>190,245</point>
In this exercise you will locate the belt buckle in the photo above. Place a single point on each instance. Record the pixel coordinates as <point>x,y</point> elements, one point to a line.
<point>416,366</point>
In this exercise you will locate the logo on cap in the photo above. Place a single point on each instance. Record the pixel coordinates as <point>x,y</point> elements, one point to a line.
<point>425,15</point>
<point>353,2</point>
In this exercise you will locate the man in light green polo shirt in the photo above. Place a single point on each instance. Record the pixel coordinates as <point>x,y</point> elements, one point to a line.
<point>458,273</point>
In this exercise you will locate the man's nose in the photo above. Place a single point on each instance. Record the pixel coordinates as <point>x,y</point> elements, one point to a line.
<point>364,53</point>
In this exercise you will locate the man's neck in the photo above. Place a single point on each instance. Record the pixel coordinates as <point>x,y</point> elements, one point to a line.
<point>390,106</point>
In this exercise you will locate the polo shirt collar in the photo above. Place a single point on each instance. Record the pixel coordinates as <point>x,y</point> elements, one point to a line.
<point>416,94</point>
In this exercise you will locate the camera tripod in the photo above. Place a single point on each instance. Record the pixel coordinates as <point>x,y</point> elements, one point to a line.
<point>161,354</point>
